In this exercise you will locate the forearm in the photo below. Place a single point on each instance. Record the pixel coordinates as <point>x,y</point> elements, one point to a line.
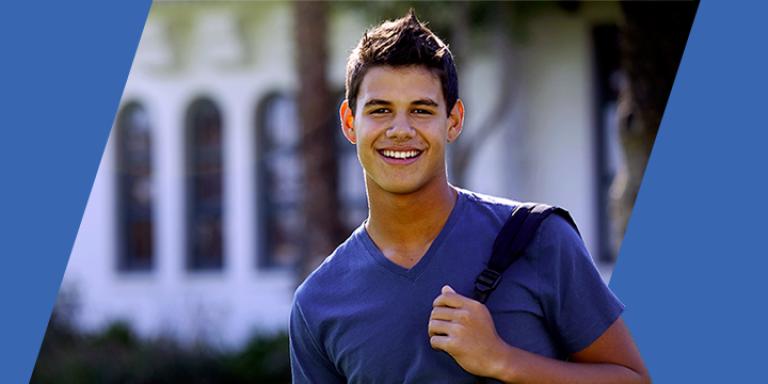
<point>514,365</point>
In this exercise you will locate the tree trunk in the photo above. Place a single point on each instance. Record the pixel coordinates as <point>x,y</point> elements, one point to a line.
<point>653,38</point>
<point>316,109</point>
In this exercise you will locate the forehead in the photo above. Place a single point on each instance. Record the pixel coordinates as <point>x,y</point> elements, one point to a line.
<point>400,84</point>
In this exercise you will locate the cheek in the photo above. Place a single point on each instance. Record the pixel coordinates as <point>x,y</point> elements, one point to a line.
<point>364,153</point>
<point>364,145</point>
<point>368,135</point>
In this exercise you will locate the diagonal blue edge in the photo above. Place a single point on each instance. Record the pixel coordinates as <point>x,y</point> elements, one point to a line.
<point>63,68</point>
<point>693,268</point>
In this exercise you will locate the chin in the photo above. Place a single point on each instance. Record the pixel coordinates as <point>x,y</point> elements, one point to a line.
<point>402,190</point>
<point>398,188</point>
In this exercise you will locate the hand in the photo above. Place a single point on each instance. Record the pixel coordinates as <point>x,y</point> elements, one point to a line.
<point>464,328</point>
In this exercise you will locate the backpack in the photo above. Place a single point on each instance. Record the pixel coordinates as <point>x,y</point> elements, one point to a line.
<point>512,241</point>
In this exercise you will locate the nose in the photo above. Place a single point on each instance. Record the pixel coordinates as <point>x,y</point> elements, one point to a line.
<point>401,129</point>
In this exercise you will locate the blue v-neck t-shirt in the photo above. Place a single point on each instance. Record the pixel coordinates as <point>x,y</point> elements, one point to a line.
<point>360,318</point>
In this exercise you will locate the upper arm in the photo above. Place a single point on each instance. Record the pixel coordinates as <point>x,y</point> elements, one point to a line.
<point>586,314</point>
<point>309,362</point>
<point>614,346</point>
<point>578,306</point>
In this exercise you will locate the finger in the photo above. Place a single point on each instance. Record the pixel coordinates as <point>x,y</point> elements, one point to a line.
<point>444,313</point>
<point>439,327</point>
<point>447,289</point>
<point>449,299</point>
<point>442,343</point>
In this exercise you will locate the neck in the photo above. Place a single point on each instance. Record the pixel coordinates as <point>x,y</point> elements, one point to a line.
<point>409,221</point>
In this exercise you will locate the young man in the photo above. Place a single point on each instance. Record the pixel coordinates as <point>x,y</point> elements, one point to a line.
<point>392,303</point>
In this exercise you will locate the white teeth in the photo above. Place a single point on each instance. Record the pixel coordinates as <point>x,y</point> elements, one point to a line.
<point>400,154</point>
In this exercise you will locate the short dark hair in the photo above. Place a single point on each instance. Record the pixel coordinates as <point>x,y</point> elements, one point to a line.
<point>402,42</point>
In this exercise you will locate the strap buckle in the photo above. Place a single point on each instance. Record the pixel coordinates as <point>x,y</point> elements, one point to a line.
<point>485,283</point>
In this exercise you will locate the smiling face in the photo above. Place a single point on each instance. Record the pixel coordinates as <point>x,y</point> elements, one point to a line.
<point>401,128</point>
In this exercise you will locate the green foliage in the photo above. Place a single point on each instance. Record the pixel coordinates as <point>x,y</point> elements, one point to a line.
<point>117,355</point>
<point>478,19</point>
<point>263,360</point>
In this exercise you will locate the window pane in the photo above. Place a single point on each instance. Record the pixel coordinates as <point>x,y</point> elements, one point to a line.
<point>281,123</point>
<point>282,182</point>
<point>285,234</point>
<point>204,167</point>
<point>135,189</point>
<point>285,178</point>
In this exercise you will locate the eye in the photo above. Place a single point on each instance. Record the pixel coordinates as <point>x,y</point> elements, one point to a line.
<point>379,111</point>
<point>420,111</point>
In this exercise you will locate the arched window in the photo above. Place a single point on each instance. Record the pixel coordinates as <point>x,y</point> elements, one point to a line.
<point>204,162</point>
<point>281,177</point>
<point>281,182</point>
<point>134,189</point>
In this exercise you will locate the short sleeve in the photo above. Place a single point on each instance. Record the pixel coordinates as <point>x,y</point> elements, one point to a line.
<point>578,306</point>
<point>309,363</point>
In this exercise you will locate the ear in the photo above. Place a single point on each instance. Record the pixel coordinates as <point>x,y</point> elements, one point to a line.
<point>456,121</point>
<point>347,122</point>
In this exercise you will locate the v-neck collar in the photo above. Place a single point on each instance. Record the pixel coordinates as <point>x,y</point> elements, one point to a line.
<point>414,272</point>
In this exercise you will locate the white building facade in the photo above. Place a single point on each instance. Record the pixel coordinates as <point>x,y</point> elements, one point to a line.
<point>230,68</point>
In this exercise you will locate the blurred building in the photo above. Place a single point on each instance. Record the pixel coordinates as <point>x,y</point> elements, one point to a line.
<point>193,224</point>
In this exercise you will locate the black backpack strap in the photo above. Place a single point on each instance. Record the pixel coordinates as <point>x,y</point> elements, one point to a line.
<point>512,241</point>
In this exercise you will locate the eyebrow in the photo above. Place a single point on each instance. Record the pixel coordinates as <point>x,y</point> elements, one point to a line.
<point>423,102</point>
<point>376,102</point>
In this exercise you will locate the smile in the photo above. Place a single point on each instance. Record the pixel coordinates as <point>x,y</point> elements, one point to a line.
<point>391,154</point>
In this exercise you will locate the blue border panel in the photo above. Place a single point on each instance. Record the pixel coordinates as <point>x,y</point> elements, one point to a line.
<point>694,265</point>
<point>63,67</point>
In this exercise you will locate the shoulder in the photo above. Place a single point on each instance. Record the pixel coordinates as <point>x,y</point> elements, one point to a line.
<point>492,207</point>
<point>554,228</point>
<point>487,200</point>
<point>558,248</point>
<point>558,231</point>
<point>334,269</point>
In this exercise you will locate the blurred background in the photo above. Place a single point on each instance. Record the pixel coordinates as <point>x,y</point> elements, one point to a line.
<point>226,178</point>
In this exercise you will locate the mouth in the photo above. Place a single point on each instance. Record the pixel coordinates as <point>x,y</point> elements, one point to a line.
<point>400,156</point>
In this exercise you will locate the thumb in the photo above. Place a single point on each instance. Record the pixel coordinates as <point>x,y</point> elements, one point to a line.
<point>447,289</point>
